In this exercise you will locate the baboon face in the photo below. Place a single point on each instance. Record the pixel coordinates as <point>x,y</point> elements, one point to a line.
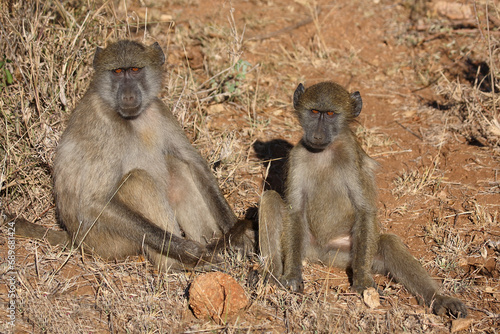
<point>322,127</point>
<point>129,79</point>
<point>324,110</point>
<point>128,84</point>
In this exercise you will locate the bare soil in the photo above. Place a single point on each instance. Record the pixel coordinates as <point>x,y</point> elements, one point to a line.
<point>438,182</point>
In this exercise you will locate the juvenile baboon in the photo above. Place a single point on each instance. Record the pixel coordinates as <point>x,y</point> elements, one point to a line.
<point>329,214</point>
<point>126,178</point>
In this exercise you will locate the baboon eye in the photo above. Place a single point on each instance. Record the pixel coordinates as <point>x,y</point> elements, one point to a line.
<point>135,69</point>
<point>314,111</point>
<point>118,70</point>
<point>330,113</point>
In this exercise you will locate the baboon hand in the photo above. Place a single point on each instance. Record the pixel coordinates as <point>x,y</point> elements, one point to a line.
<point>195,254</point>
<point>296,284</point>
<point>449,305</point>
<point>240,237</point>
<point>245,242</point>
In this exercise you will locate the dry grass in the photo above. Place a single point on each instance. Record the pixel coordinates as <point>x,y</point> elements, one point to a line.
<point>473,113</point>
<point>470,81</point>
<point>225,102</point>
<point>416,182</point>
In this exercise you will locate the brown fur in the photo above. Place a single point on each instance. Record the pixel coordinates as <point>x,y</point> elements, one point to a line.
<point>329,214</point>
<point>126,178</point>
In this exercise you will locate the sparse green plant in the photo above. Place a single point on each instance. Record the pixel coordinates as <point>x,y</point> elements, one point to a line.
<point>5,75</point>
<point>232,83</point>
<point>444,263</point>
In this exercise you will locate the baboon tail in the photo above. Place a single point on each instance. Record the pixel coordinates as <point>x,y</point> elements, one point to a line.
<point>24,228</point>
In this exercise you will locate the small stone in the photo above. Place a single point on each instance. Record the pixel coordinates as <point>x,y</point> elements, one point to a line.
<point>371,298</point>
<point>215,109</point>
<point>461,324</point>
<point>216,295</point>
<point>453,10</point>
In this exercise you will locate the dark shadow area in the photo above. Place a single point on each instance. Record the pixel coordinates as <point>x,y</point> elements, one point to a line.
<point>478,74</point>
<point>252,215</point>
<point>274,155</point>
<point>439,106</point>
<point>473,141</point>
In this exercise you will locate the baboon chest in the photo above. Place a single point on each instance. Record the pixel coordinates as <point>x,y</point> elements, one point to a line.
<point>328,208</point>
<point>329,212</point>
<point>146,151</point>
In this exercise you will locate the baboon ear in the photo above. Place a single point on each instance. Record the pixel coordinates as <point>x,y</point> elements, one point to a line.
<point>96,54</point>
<point>357,103</point>
<point>298,93</point>
<point>161,55</point>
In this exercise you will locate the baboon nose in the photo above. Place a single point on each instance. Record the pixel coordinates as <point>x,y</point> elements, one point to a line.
<point>128,98</point>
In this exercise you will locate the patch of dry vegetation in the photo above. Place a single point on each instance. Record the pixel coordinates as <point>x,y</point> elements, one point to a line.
<point>417,181</point>
<point>474,113</point>
<point>468,79</point>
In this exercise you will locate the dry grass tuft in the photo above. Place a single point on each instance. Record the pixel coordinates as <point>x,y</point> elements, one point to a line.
<point>417,181</point>
<point>473,113</point>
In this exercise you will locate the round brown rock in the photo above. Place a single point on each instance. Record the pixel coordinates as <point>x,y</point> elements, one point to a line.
<point>216,295</point>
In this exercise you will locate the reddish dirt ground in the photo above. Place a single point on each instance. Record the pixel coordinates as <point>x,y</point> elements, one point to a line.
<point>368,52</point>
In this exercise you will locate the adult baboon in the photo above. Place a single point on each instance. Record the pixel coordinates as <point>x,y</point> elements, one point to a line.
<point>126,178</point>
